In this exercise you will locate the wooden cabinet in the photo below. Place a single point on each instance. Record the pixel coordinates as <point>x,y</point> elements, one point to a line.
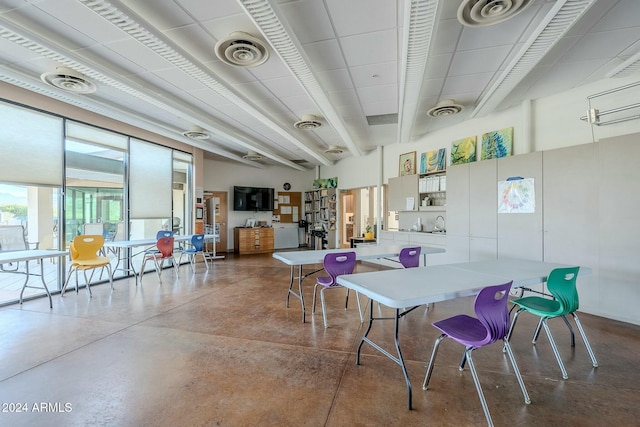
<point>253,240</point>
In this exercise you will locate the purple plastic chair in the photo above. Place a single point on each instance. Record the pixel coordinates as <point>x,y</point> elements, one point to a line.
<point>410,257</point>
<point>335,264</point>
<point>491,325</point>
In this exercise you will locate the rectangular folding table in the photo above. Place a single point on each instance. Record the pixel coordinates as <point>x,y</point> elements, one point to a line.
<point>412,287</point>
<point>26,256</point>
<point>300,258</point>
<point>119,245</point>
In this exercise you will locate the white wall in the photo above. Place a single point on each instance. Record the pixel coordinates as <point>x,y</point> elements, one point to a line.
<point>222,176</point>
<point>552,122</point>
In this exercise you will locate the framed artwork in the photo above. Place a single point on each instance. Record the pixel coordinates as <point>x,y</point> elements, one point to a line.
<point>433,161</point>
<point>497,144</point>
<point>407,164</point>
<point>463,150</point>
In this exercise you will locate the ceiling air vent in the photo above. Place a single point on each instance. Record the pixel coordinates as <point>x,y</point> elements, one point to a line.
<point>252,155</point>
<point>445,107</point>
<point>334,149</point>
<point>482,13</point>
<point>242,50</point>
<point>308,122</point>
<point>69,80</point>
<point>196,132</point>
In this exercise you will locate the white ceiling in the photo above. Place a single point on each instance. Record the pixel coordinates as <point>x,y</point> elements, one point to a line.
<point>154,65</point>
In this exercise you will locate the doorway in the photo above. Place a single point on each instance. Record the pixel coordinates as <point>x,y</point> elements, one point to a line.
<point>215,216</point>
<point>348,204</point>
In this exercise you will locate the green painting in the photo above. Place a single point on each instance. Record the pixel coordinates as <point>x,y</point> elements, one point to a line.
<point>326,183</point>
<point>463,150</point>
<point>497,144</point>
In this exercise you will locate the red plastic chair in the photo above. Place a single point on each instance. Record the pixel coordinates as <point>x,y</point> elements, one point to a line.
<point>491,325</point>
<point>165,252</point>
<point>335,264</point>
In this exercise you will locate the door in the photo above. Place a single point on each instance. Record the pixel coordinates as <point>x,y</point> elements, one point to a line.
<point>218,212</point>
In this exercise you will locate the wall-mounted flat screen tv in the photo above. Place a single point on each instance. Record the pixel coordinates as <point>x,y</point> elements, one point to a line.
<point>252,199</point>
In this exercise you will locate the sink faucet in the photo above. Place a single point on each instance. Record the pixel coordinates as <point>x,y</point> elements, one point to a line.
<point>439,220</point>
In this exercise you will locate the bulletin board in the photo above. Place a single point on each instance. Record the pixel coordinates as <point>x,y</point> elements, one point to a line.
<point>288,206</point>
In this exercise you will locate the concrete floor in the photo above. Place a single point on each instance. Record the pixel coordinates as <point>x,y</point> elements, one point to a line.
<point>219,348</point>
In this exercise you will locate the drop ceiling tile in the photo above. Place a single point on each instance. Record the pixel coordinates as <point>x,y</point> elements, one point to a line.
<point>377,93</point>
<point>432,87</point>
<point>376,15</point>
<point>602,45</point>
<point>309,20</point>
<point>374,74</point>
<point>284,86</point>
<point>178,78</point>
<point>209,97</point>
<point>271,69</point>
<point>625,14</point>
<point>163,14</point>
<point>438,66</point>
<point>344,98</point>
<point>446,37</point>
<point>334,80</point>
<point>478,60</point>
<point>370,48</point>
<point>255,91</point>
<point>466,83</point>
<point>193,40</point>
<point>325,55</point>
<point>133,51</point>
<point>300,105</point>
<point>221,9</point>
<point>228,74</point>
<point>222,28</point>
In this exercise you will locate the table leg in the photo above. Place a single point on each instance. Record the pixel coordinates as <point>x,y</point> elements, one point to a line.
<point>26,280</point>
<point>398,359</point>
<point>299,293</point>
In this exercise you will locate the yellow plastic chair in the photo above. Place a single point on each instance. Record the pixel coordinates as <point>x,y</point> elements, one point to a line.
<point>84,256</point>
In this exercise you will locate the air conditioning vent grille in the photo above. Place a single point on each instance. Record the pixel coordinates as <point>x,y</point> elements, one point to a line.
<point>242,50</point>
<point>69,80</point>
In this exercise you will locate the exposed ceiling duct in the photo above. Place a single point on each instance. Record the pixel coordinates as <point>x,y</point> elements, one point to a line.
<point>196,132</point>
<point>482,13</point>
<point>69,80</point>
<point>446,107</point>
<point>252,155</point>
<point>242,50</point>
<point>334,149</point>
<point>308,122</point>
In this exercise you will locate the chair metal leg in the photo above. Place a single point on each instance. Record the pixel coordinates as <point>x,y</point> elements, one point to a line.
<point>586,341</point>
<point>507,346</point>
<point>536,333</point>
<point>573,336</point>
<point>324,312</point>
<point>346,300</point>
<point>476,381</point>
<point>555,348</point>
<point>427,375</point>
<point>88,281</point>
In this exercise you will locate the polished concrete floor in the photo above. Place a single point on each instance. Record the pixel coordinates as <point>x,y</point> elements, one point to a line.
<point>219,348</point>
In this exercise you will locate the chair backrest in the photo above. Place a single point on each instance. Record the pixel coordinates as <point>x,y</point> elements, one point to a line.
<point>164,233</point>
<point>86,246</point>
<point>339,263</point>
<point>410,257</point>
<point>12,238</point>
<point>561,283</point>
<point>165,246</point>
<point>492,311</point>
<point>197,240</point>
<point>93,228</point>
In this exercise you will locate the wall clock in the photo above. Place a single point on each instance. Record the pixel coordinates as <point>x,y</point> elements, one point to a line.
<point>286,186</point>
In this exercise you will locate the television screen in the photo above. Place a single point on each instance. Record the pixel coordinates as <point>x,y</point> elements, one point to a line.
<point>252,199</point>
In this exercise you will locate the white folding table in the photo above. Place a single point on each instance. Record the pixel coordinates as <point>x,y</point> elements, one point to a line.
<point>119,245</point>
<point>26,256</point>
<point>300,258</point>
<point>413,287</point>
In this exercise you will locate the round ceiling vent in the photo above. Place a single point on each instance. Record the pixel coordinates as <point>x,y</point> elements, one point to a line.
<point>69,80</point>
<point>308,122</point>
<point>242,50</point>
<point>196,132</point>
<point>445,107</point>
<point>252,155</point>
<point>334,149</point>
<point>482,13</point>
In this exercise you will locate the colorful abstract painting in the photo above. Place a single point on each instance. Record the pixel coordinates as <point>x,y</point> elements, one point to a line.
<point>325,183</point>
<point>497,144</point>
<point>433,161</point>
<point>463,150</point>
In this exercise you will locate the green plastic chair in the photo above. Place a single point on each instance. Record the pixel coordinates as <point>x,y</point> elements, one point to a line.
<point>561,283</point>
